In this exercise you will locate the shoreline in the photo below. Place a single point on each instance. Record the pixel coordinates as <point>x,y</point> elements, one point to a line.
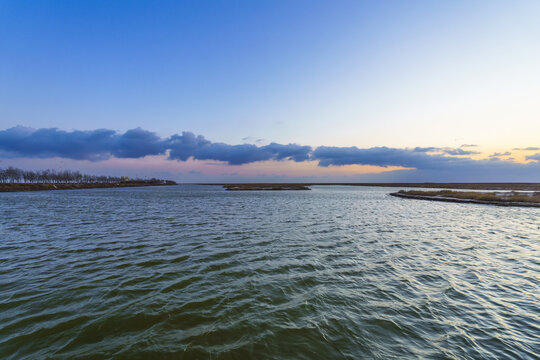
<point>18,187</point>
<point>265,187</point>
<point>465,201</point>
<point>461,186</point>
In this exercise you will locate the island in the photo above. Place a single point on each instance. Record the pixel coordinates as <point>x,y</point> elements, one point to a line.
<point>507,198</point>
<point>247,187</point>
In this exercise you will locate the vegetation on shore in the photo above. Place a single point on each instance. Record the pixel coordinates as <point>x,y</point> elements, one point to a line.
<point>243,187</point>
<point>50,176</point>
<point>511,198</point>
<point>13,179</point>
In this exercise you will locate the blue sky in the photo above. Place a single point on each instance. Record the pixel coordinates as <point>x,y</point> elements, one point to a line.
<point>316,74</point>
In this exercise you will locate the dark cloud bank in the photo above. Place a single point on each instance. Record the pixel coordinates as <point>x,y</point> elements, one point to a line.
<point>430,164</point>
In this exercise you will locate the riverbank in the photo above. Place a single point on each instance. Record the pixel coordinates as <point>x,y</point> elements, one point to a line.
<point>529,199</point>
<point>70,186</point>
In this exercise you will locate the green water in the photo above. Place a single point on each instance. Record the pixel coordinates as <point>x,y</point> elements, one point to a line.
<point>195,272</point>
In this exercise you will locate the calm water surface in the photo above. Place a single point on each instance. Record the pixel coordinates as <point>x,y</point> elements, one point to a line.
<point>196,272</point>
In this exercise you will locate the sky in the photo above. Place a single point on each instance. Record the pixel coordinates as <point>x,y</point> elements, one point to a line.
<point>208,91</point>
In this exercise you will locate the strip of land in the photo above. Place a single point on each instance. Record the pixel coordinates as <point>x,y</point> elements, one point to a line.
<point>9,187</point>
<point>460,186</point>
<point>246,187</point>
<point>530,199</point>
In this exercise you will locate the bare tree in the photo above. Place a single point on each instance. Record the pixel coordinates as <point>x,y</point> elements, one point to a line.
<point>14,175</point>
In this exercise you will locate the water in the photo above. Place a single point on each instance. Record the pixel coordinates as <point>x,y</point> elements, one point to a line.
<point>198,272</point>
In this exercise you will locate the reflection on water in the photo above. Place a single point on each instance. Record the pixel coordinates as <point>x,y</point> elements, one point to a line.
<point>198,272</point>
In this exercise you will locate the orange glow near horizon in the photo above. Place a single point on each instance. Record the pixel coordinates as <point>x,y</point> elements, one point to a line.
<point>283,168</point>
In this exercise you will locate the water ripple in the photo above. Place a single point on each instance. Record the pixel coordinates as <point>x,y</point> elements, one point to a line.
<point>197,272</point>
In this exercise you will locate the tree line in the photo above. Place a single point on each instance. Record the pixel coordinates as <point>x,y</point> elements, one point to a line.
<point>51,176</point>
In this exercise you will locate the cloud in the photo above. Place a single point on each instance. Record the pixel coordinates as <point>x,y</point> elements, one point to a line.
<point>459,152</point>
<point>384,156</point>
<point>528,148</point>
<point>44,143</point>
<point>469,145</point>
<point>137,143</point>
<point>497,154</point>
<point>294,152</point>
<point>187,145</point>
<point>381,156</point>
<point>426,167</point>
<point>231,154</point>
<point>426,163</point>
<point>103,144</point>
<point>252,139</point>
<point>426,149</point>
<point>92,145</point>
<point>449,151</point>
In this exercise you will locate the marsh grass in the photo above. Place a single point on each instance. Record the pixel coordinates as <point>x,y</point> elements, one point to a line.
<point>511,196</point>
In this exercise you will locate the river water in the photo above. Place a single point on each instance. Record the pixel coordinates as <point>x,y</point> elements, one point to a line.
<point>196,272</point>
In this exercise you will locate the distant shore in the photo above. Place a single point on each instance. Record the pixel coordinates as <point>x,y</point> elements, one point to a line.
<point>460,186</point>
<point>246,187</point>
<point>11,187</point>
<point>499,199</point>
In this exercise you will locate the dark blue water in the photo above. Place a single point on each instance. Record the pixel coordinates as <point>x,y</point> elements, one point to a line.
<point>198,272</point>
